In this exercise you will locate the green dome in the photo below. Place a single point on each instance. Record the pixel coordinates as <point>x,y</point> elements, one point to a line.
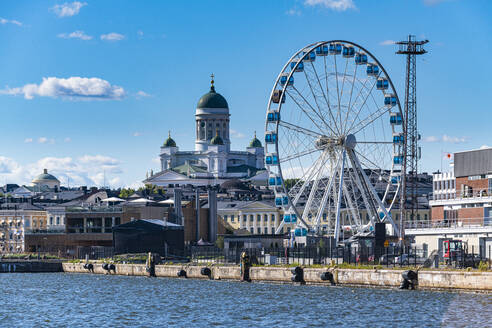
<point>217,140</point>
<point>212,100</point>
<point>169,142</point>
<point>255,143</point>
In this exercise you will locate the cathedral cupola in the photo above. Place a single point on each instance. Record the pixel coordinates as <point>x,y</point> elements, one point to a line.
<point>169,142</point>
<point>255,143</point>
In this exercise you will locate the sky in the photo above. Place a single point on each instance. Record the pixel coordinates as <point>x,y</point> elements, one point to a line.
<point>89,89</point>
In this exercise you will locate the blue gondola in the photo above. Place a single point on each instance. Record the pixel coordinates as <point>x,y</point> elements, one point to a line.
<point>283,80</point>
<point>270,137</point>
<point>395,179</point>
<point>309,57</point>
<point>322,50</point>
<point>389,100</point>
<point>299,67</point>
<point>300,232</point>
<point>382,84</point>
<point>372,70</point>
<point>360,58</point>
<point>271,159</point>
<point>275,181</point>
<point>287,218</point>
<point>293,218</point>
<point>398,159</point>
<point>398,139</point>
<point>277,96</point>
<point>348,51</point>
<point>282,200</point>
<point>273,116</point>
<point>335,48</point>
<point>395,118</point>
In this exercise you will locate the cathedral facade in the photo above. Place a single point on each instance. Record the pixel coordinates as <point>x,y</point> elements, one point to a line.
<point>212,162</point>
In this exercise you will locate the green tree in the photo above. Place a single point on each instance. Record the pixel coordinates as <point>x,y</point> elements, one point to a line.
<point>289,183</point>
<point>126,192</point>
<point>220,242</point>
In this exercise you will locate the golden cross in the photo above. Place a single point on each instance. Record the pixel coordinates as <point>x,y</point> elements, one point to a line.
<point>212,76</point>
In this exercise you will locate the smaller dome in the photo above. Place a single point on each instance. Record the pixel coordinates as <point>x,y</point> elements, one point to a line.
<point>45,176</point>
<point>255,143</point>
<point>217,140</point>
<point>169,141</point>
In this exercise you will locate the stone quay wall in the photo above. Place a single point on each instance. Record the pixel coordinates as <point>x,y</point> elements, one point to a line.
<point>480,281</point>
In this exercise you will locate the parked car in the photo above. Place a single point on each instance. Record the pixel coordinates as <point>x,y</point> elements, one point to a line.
<point>409,259</point>
<point>387,259</point>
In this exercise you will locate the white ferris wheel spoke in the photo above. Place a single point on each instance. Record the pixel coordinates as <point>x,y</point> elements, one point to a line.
<point>369,93</point>
<point>326,194</point>
<point>339,201</point>
<point>324,95</point>
<point>297,128</point>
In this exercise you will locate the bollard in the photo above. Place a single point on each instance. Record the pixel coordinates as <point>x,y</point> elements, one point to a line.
<point>182,274</point>
<point>297,274</point>
<point>245,266</point>
<point>409,279</point>
<point>206,272</point>
<point>328,276</point>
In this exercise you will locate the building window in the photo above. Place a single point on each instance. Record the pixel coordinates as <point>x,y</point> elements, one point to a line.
<point>51,220</point>
<point>273,231</point>
<point>245,218</point>
<point>258,217</point>
<point>259,230</point>
<point>57,220</point>
<point>324,216</point>
<point>251,217</point>
<point>265,217</point>
<point>232,217</point>
<point>266,230</point>
<point>272,217</point>
<point>251,230</point>
<point>225,217</point>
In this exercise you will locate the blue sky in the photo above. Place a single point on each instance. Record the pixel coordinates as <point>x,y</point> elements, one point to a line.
<point>119,74</point>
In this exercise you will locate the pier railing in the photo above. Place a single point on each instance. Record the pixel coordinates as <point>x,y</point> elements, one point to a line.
<point>392,256</point>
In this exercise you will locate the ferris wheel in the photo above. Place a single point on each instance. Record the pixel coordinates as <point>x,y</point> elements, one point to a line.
<point>334,141</point>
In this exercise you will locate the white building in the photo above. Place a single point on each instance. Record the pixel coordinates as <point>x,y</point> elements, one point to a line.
<point>46,180</point>
<point>212,162</point>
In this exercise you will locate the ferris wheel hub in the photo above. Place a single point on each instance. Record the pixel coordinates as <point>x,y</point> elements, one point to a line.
<point>324,142</point>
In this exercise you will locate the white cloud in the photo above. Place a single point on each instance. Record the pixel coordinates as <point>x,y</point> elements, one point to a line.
<point>431,139</point>
<point>42,140</point>
<point>455,140</point>
<point>142,94</point>
<point>485,147</point>
<point>4,21</point>
<point>71,88</point>
<point>68,9</point>
<point>75,35</point>
<point>89,170</point>
<point>137,134</point>
<point>236,134</point>
<point>67,139</point>
<point>156,160</point>
<point>387,43</point>
<point>140,33</point>
<point>112,37</point>
<point>293,12</point>
<point>338,5</point>
<point>28,140</point>
<point>446,138</point>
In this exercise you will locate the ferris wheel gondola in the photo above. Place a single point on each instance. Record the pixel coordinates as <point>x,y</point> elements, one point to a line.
<point>334,141</point>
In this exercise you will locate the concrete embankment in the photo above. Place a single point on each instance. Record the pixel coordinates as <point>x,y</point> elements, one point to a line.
<point>481,281</point>
<point>30,266</point>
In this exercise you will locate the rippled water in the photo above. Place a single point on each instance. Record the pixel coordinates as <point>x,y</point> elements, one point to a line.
<point>82,300</point>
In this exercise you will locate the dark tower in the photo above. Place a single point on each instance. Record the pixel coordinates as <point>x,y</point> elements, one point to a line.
<point>411,152</point>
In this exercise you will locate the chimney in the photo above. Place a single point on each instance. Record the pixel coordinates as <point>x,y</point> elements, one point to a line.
<point>45,171</point>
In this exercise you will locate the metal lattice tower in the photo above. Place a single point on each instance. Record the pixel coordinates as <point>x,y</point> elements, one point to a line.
<point>411,152</point>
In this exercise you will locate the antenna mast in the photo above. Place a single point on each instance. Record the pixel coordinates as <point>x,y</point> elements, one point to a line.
<point>411,152</point>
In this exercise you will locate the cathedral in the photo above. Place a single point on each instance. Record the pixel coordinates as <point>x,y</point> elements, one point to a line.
<point>212,162</point>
